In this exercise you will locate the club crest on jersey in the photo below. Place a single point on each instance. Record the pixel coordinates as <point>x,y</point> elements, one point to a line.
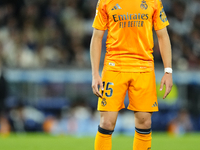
<point>144,5</point>
<point>103,102</point>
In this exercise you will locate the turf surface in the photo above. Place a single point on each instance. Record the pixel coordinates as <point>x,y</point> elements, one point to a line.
<point>161,141</point>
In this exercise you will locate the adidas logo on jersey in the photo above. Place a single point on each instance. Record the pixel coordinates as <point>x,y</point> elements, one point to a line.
<point>155,105</point>
<point>116,7</point>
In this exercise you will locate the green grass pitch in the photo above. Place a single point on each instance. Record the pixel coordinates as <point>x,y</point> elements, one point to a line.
<point>160,141</point>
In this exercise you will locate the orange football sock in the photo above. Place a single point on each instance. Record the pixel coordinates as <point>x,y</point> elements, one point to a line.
<point>103,140</point>
<point>142,139</point>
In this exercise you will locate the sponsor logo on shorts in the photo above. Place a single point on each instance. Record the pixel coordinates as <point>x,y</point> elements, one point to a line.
<point>144,5</point>
<point>103,102</point>
<point>149,148</point>
<point>155,105</point>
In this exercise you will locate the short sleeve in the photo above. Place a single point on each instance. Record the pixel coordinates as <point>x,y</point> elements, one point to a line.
<point>101,18</point>
<point>159,18</point>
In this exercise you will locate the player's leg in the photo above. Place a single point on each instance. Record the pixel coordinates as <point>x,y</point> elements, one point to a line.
<point>115,87</point>
<point>108,119</point>
<point>142,138</point>
<point>143,101</point>
<point>103,140</point>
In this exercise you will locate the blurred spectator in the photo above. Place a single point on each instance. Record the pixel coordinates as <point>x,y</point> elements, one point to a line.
<point>4,127</point>
<point>178,21</point>
<point>26,118</point>
<point>181,124</point>
<point>3,86</point>
<point>3,93</point>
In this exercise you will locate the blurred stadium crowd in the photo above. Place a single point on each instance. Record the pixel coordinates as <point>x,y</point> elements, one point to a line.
<point>40,34</point>
<point>57,33</point>
<point>46,33</point>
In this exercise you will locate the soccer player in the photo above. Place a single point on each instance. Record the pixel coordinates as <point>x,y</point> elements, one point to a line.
<point>128,65</point>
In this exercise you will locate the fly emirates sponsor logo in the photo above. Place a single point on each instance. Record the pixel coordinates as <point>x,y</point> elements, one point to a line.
<point>130,20</point>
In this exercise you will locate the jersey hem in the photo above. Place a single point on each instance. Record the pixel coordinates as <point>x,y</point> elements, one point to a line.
<point>129,70</point>
<point>143,110</point>
<point>129,109</point>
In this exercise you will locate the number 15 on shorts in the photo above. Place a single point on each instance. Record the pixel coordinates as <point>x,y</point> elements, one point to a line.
<point>108,91</point>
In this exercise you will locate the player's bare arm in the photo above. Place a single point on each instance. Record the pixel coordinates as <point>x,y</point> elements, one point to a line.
<point>165,50</point>
<point>95,54</point>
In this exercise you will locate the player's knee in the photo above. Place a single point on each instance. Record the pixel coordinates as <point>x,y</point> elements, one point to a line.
<point>147,123</point>
<point>144,123</point>
<point>107,124</point>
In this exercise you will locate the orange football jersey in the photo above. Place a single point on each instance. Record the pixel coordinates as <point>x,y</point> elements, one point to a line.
<point>130,25</point>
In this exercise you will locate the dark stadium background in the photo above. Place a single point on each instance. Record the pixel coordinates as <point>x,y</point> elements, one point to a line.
<point>45,83</point>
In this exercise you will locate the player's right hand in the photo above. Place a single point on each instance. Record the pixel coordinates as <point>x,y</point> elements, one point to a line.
<point>97,82</point>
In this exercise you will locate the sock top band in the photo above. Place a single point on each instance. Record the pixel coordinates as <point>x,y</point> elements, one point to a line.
<point>104,131</point>
<point>143,131</point>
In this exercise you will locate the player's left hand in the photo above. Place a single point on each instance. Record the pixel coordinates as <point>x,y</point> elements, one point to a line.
<point>168,82</point>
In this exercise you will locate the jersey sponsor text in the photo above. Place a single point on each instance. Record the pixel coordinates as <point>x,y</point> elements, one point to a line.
<point>130,20</point>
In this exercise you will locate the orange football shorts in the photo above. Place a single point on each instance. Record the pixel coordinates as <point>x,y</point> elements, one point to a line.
<point>141,87</point>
